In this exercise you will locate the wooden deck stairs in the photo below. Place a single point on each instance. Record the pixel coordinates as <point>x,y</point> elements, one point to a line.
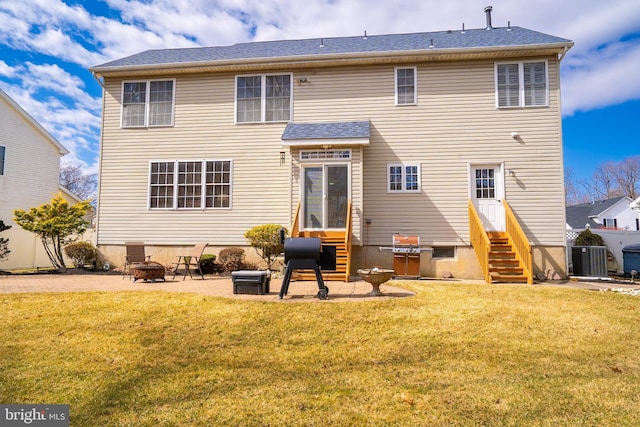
<point>505,257</point>
<point>340,239</point>
<point>504,266</point>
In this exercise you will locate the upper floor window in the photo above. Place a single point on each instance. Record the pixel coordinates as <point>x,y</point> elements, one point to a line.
<point>2,155</point>
<point>264,98</point>
<point>522,84</point>
<point>403,178</point>
<point>147,103</point>
<point>190,184</point>
<point>406,89</point>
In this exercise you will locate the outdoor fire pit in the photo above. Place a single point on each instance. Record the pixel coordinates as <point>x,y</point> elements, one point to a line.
<point>148,271</point>
<point>376,277</point>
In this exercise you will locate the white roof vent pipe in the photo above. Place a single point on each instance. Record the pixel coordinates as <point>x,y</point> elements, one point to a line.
<point>488,10</point>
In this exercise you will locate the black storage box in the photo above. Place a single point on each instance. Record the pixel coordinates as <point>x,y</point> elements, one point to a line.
<point>254,282</point>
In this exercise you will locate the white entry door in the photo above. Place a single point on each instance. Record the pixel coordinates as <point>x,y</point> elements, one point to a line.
<point>487,192</point>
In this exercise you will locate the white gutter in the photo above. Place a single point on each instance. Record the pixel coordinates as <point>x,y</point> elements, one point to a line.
<point>316,59</point>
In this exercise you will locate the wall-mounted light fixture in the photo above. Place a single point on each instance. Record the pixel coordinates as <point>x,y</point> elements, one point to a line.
<point>510,172</point>
<point>515,135</point>
<point>282,157</point>
<point>302,80</point>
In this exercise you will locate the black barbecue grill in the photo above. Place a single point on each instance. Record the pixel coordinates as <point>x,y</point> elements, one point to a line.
<point>303,253</point>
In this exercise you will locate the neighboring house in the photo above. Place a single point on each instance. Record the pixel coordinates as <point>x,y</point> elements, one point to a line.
<point>351,139</point>
<point>615,220</point>
<point>613,214</point>
<point>29,176</point>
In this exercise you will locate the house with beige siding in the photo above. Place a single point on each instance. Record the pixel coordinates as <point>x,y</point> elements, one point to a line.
<point>29,177</point>
<point>451,136</point>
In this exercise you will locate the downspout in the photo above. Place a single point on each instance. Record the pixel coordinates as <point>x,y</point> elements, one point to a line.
<point>562,55</point>
<point>97,225</point>
<point>564,211</point>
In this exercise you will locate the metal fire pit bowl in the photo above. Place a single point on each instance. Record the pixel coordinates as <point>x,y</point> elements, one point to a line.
<point>376,277</point>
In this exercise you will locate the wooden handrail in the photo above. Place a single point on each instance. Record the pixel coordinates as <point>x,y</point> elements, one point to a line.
<point>295,227</point>
<point>479,240</point>
<point>347,241</point>
<point>519,242</point>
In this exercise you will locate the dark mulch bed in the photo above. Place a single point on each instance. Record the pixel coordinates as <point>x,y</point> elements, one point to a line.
<point>67,271</point>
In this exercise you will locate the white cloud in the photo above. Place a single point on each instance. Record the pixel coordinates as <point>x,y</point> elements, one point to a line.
<point>6,70</point>
<point>602,78</point>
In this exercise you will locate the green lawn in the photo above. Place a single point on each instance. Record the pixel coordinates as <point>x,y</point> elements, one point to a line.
<point>452,355</point>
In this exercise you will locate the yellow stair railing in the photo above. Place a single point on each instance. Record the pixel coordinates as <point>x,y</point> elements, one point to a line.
<point>347,241</point>
<point>480,241</point>
<point>519,242</point>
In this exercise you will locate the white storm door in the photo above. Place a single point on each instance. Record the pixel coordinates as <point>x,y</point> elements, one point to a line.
<point>487,192</point>
<point>325,196</point>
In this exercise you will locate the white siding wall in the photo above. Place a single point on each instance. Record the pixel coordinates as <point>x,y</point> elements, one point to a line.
<point>30,179</point>
<point>203,129</point>
<point>455,123</point>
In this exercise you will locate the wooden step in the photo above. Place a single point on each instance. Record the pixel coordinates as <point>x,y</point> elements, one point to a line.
<point>515,278</point>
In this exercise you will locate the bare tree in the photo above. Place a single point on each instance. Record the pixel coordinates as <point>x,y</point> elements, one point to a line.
<point>78,182</point>
<point>627,176</point>
<point>574,194</point>
<point>603,182</point>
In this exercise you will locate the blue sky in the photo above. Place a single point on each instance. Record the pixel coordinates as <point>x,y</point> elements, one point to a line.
<point>47,47</point>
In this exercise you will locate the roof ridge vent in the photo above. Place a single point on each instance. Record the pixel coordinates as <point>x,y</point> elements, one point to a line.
<point>487,11</point>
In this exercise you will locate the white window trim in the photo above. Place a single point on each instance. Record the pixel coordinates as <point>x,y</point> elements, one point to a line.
<point>330,155</point>
<point>263,98</point>
<point>146,103</point>
<point>203,184</point>
<point>415,85</point>
<point>404,178</point>
<point>521,94</point>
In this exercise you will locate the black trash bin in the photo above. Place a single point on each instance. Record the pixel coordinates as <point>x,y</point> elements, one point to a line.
<point>631,258</point>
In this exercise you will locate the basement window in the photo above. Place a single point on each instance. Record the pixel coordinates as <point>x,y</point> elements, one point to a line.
<point>443,252</point>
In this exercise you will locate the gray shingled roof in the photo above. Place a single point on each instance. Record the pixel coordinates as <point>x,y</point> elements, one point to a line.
<point>441,40</point>
<point>580,215</point>
<point>336,130</point>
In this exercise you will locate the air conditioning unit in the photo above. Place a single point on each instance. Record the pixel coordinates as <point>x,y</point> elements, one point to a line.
<point>590,261</point>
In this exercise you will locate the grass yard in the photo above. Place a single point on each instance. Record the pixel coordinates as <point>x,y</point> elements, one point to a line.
<point>452,355</point>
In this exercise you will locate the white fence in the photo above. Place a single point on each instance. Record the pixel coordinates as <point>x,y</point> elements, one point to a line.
<point>615,240</point>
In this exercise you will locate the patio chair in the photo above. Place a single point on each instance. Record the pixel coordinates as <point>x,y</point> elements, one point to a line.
<point>135,254</point>
<point>192,260</point>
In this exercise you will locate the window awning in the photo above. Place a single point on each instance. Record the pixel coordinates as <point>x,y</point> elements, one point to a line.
<point>319,134</point>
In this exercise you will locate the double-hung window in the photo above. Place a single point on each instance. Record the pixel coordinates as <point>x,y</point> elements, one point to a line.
<point>406,89</point>
<point>3,150</point>
<point>522,84</point>
<point>148,103</point>
<point>403,178</point>
<point>190,184</point>
<point>263,98</point>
